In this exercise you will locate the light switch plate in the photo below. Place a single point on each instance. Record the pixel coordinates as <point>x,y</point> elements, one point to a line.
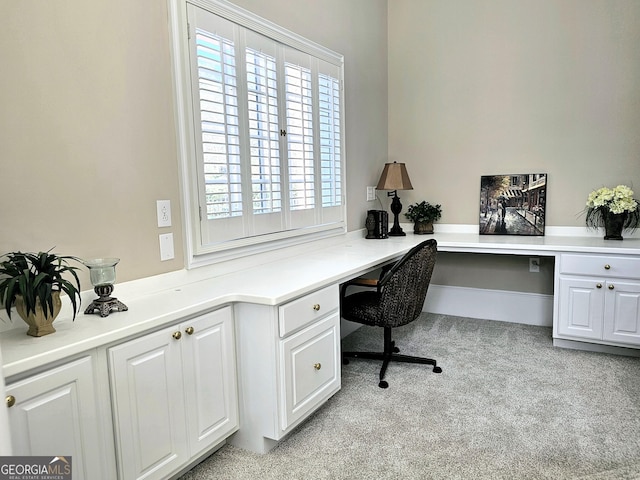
<point>163,208</point>
<point>166,247</point>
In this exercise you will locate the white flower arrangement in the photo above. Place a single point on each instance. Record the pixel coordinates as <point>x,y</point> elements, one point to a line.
<point>618,200</point>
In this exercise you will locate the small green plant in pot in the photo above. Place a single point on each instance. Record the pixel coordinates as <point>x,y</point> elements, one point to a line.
<point>423,215</point>
<point>33,283</point>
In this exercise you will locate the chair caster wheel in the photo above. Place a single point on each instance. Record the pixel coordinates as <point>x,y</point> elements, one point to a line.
<point>396,350</point>
<point>383,384</point>
<point>437,370</point>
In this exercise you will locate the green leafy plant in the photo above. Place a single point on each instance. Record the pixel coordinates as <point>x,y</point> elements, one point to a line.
<point>35,276</point>
<point>424,212</point>
<point>618,200</point>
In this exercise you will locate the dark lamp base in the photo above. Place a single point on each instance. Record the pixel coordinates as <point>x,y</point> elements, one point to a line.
<point>396,208</point>
<point>105,304</point>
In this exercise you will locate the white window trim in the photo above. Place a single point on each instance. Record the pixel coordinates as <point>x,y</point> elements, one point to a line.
<point>184,126</point>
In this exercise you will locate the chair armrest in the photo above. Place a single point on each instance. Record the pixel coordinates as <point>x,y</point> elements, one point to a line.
<point>364,282</point>
<point>358,282</point>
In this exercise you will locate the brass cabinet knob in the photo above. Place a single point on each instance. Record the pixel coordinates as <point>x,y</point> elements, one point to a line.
<point>599,285</point>
<point>11,400</point>
<point>607,267</point>
<point>610,287</point>
<point>317,366</point>
<point>189,330</point>
<point>316,307</point>
<point>177,335</point>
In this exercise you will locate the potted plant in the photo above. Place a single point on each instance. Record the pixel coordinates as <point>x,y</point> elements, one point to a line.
<point>423,215</point>
<point>33,283</point>
<point>615,209</point>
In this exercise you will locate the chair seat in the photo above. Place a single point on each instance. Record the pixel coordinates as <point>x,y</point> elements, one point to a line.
<point>362,307</point>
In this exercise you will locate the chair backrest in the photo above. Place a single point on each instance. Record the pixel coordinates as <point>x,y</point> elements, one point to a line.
<point>404,287</point>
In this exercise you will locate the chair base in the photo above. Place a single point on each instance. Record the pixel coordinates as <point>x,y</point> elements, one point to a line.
<point>390,354</point>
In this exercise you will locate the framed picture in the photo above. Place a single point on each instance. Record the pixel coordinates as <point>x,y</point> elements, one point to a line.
<point>513,204</point>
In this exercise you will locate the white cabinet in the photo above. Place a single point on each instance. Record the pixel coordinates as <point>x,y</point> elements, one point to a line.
<point>289,365</point>
<point>174,395</point>
<point>599,299</point>
<point>310,369</point>
<point>622,311</point>
<point>56,413</point>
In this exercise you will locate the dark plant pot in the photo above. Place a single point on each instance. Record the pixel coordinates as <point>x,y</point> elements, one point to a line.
<point>423,228</point>
<point>613,225</point>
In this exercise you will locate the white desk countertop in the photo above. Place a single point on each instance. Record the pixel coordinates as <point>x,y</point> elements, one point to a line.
<point>165,299</point>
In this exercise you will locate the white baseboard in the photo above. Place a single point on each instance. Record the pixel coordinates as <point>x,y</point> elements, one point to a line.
<point>505,306</point>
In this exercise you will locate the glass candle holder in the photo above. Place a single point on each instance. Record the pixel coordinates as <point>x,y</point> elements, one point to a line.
<point>102,272</point>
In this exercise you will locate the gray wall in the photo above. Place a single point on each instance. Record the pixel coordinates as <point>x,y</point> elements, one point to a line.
<point>465,87</point>
<point>485,87</point>
<point>87,132</point>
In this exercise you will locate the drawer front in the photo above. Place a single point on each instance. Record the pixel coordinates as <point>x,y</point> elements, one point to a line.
<point>600,265</point>
<point>306,310</point>
<point>311,362</point>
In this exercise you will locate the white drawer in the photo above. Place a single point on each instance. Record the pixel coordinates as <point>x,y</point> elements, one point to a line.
<point>311,361</point>
<point>600,265</point>
<point>308,309</point>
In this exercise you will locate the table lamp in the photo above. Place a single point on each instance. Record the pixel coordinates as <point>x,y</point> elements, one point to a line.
<point>395,177</point>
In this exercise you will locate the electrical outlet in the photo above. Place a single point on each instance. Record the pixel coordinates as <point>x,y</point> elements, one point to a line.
<point>371,194</point>
<point>534,265</point>
<point>163,209</point>
<point>166,247</point>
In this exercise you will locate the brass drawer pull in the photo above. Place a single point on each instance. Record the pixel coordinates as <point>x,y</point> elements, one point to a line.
<point>610,287</point>
<point>189,330</point>
<point>316,307</point>
<point>10,400</point>
<point>599,285</point>
<point>177,335</point>
<point>607,267</point>
<point>317,366</point>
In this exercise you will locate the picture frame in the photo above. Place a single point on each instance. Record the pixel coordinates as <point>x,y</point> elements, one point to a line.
<point>513,204</point>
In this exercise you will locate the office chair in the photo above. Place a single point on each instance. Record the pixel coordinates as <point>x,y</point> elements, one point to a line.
<point>397,300</point>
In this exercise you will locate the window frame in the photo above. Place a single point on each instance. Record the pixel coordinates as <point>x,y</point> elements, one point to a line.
<point>195,253</point>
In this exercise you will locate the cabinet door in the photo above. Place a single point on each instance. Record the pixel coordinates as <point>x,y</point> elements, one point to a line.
<point>55,414</point>
<point>581,307</point>
<point>622,312</point>
<point>208,352</point>
<point>311,360</point>
<point>148,403</point>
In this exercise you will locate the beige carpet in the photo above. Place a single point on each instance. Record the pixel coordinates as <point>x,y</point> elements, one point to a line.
<point>508,405</point>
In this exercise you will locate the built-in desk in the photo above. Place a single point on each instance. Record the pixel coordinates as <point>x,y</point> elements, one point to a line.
<point>168,298</point>
<point>269,298</point>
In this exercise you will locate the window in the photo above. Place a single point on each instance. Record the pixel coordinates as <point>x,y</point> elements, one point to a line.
<point>261,131</point>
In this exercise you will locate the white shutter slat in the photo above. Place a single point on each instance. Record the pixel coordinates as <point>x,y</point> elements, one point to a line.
<point>218,122</point>
<point>263,126</point>
<point>299,120</point>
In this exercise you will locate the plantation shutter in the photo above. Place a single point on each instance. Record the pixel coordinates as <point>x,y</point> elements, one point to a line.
<point>267,136</point>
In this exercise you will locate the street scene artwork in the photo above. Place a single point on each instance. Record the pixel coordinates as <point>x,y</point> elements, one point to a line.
<point>513,204</point>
